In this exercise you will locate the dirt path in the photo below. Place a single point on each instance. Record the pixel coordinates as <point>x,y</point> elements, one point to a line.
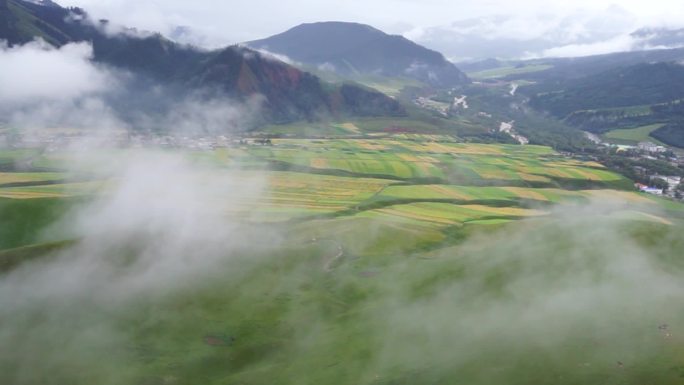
<point>330,262</point>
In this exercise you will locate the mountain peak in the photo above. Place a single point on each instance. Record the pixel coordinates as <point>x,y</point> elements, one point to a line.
<point>358,50</point>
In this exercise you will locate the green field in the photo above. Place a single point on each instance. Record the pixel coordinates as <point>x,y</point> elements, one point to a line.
<point>389,86</point>
<point>403,259</point>
<point>505,71</point>
<point>635,135</point>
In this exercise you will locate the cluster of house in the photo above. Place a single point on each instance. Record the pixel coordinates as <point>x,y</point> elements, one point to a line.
<point>647,147</point>
<point>672,183</point>
<point>648,189</point>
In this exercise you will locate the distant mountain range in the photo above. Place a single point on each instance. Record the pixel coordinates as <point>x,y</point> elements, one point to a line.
<point>290,94</point>
<point>353,49</point>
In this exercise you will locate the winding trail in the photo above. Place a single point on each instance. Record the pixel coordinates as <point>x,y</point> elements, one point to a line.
<point>328,267</point>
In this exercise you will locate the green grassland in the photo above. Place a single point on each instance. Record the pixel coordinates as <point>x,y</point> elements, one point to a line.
<point>389,86</point>
<point>410,259</point>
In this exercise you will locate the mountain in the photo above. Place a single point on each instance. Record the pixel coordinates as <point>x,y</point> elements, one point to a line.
<point>289,93</point>
<point>353,49</point>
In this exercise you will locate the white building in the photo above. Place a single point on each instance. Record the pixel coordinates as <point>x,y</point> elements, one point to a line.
<point>651,147</point>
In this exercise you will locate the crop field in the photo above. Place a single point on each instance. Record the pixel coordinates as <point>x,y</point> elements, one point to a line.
<point>52,190</point>
<point>449,214</point>
<point>23,177</point>
<point>412,259</point>
<point>304,177</point>
<point>445,160</point>
<point>477,193</point>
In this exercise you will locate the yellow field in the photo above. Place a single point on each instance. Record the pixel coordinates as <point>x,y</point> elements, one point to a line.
<point>17,177</point>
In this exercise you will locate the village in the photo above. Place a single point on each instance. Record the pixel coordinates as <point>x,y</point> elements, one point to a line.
<point>648,165</point>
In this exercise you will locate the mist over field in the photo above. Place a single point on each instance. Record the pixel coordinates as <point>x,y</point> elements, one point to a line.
<point>161,228</point>
<point>555,292</point>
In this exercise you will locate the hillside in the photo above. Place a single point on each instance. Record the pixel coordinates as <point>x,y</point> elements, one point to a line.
<point>623,97</point>
<point>358,49</point>
<point>620,87</point>
<point>290,94</point>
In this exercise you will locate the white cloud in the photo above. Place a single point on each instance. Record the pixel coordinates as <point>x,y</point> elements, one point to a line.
<point>36,71</point>
<point>618,44</point>
<point>276,56</point>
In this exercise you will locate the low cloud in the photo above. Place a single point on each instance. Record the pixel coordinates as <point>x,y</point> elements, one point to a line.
<point>46,87</point>
<point>618,44</point>
<point>162,226</point>
<point>519,35</point>
<point>39,72</point>
<point>567,290</point>
<point>276,56</point>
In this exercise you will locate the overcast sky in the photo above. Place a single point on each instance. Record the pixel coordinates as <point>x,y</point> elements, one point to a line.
<point>226,22</point>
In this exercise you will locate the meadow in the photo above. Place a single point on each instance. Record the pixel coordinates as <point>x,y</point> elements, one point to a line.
<point>377,260</point>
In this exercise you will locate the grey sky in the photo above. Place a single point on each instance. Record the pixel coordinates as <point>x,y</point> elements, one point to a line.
<point>226,22</point>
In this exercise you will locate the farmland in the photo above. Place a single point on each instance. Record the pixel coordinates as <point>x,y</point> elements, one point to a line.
<point>314,178</point>
<point>341,260</point>
<point>318,176</point>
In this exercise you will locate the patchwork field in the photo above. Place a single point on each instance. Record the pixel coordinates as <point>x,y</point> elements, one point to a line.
<point>442,160</point>
<point>385,178</point>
